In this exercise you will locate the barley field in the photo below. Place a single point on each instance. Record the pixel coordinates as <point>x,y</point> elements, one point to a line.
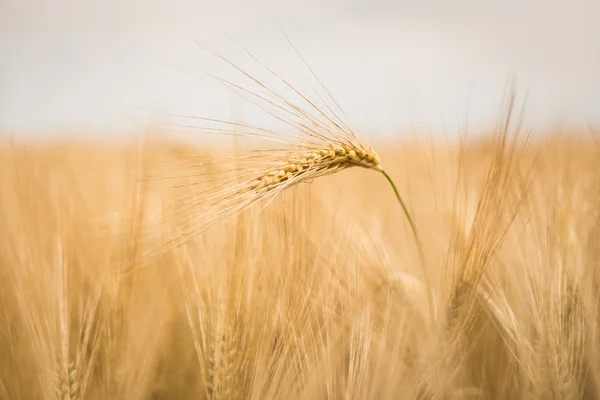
<point>322,294</point>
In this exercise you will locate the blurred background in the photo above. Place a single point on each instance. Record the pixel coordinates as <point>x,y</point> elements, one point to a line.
<point>85,68</point>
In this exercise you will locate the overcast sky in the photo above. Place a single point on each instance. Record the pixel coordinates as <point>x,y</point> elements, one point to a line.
<point>69,65</point>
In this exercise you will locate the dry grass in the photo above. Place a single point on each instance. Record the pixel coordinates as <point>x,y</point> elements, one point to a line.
<point>319,295</point>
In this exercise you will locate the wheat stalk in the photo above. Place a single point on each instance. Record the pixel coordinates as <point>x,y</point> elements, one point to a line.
<point>317,163</point>
<point>321,143</point>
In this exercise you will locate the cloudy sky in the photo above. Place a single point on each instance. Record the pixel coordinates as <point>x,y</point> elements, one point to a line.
<point>75,66</point>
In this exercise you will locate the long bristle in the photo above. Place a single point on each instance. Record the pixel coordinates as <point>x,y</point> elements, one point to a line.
<point>320,143</point>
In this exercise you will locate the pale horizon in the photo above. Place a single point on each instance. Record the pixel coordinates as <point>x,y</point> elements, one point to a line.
<point>79,68</point>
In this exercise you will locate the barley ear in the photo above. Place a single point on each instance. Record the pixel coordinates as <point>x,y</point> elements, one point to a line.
<point>67,383</point>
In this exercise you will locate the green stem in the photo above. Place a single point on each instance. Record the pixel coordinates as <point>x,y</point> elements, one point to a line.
<point>406,213</point>
<point>417,239</point>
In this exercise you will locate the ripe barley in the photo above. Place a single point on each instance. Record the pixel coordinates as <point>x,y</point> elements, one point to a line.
<point>68,383</point>
<point>255,178</point>
<point>321,142</point>
<point>317,163</point>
